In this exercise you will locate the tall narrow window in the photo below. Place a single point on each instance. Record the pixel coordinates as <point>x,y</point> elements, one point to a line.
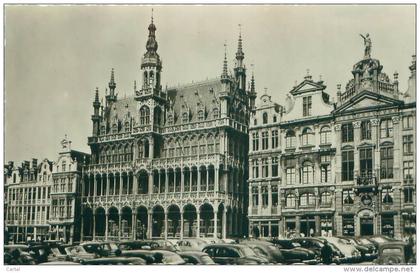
<point>265,167</point>
<point>325,135</point>
<point>255,196</point>
<point>408,144</point>
<point>408,195</point>
<point>200,115</point>
<point>290,139</point>
<point>307,137</point>
<point>264,140</point>
<point>386,128</point>
<point>290,176</point>
<point>274,139</point>
<point>365,162</point>
<point>366,132</point>
<point>307,173</point>
<point>408,171</point>
<point>290,201</point>
<point>255,168</point>
<point>325,173</point>
<point>144,115</point>
<point>347,132</point>
<point>387,162</point>
<point>255,141</point>
<point>307,106</point>
<point>347,166</point>
<point>274,166</point>
<point>407,122</point>
<point>274,195</point>
<point>264,193</point>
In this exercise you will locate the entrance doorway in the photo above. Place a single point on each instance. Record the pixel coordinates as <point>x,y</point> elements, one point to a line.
<point>366,226</point>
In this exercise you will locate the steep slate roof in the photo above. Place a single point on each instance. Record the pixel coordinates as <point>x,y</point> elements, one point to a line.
<point>189,94</point>
<point>193,94</point>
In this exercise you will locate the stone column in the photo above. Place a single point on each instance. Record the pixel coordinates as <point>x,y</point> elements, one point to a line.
<point>375,138</point>
<point>106,226</point>
<point>182,180</point>
<point>224,223</point>
<point>150,183</point>
<point>397,144</point>
<point>337,131</point>
<point>198,224</point>
<point>119,225</point>
<point>95,185</point>
<point>215,224</point>
<point>317,225</point>
<point>94,227</point>
<point>216,179</point>
<point>182,225</point>
<point>149,225</point>
<point>133,225</point>
<point>166,225</point>
<point>81,228</point>
<point>356,127</point>
<point>151,150</point>
<point>135,184</point>
<point>207,178</point>
<point>297,231</point>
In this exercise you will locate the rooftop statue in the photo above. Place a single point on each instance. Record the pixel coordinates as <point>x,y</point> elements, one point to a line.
<point>368,45</point>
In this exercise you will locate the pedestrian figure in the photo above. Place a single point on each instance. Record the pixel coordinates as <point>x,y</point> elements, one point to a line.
<point>326,253</point>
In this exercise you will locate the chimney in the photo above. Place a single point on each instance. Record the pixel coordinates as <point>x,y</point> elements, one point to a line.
<point>34,162</point>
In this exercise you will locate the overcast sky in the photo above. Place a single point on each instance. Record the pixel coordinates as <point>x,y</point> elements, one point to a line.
<point>57,55</point>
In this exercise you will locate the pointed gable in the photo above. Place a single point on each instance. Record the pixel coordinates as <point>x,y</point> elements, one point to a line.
<point>307,86</point>
<point>367,100</point>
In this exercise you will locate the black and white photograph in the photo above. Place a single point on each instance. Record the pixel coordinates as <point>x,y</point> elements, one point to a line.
<point>210,134</point>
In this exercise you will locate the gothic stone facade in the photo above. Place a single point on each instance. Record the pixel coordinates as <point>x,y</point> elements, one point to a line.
<point>169,163</point>
<point>344,168</point>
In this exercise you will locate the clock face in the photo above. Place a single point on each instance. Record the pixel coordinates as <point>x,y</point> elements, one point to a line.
<point>366,200</point>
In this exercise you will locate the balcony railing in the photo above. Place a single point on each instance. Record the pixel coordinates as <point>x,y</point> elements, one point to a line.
<point>366,180</point>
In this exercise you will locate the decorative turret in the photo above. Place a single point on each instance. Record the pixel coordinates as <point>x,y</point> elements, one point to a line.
<point>96,117</point>
<point>112,97</point>
<point>252,93</point>
<point>151,65</point>
<point>240,71</point>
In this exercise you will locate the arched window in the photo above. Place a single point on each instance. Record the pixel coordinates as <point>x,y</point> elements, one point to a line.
<point>290,139</point>
<point>145,78</point>
<point>144,115</point>
<point>365,130</point>
<point>103,130</point>
<point>307,137</point>
<point>326,198</point>
<point>151,78</point>
<point>157,116</point>
<point>307,199</point>
<point>265,118</point>
<point>325,135</point>
<point>290,200</point>
<point>115,128</point>
<point>307,173</point>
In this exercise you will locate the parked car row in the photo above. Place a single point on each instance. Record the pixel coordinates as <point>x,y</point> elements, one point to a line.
<point>210,251</point>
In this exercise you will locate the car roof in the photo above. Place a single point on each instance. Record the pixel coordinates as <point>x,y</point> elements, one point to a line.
<point>192,253</point>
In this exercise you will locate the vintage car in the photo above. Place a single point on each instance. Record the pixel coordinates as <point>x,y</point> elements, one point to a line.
<point>196,257</point>
<point>266,250</point>
<point>191,244</point>
<point>233,254</point>
<point>114,261</point>
<point>368,251</point>
<point>17,255</point>
<point>164,257</point>
<point>293,252</point>
<point>315,244</point>
<point>60,263</point>
<point>351,254</point>
<point>392,253</point>
<point>148,244</point>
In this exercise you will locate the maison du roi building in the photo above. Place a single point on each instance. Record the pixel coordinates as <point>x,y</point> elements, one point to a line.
<point>175,162</point>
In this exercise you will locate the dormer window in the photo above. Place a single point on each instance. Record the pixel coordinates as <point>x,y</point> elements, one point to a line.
<point>307,106</point>
<point>185,117</point>
<point>200,115</point>
<point>216,113</point>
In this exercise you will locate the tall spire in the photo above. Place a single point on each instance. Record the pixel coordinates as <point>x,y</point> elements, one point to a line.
<point>96,95</point>
<point>152,44</point>
<point>252,83</point>
<point>225,66</point>
<point>112,83</point>
<point>239,53</point>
